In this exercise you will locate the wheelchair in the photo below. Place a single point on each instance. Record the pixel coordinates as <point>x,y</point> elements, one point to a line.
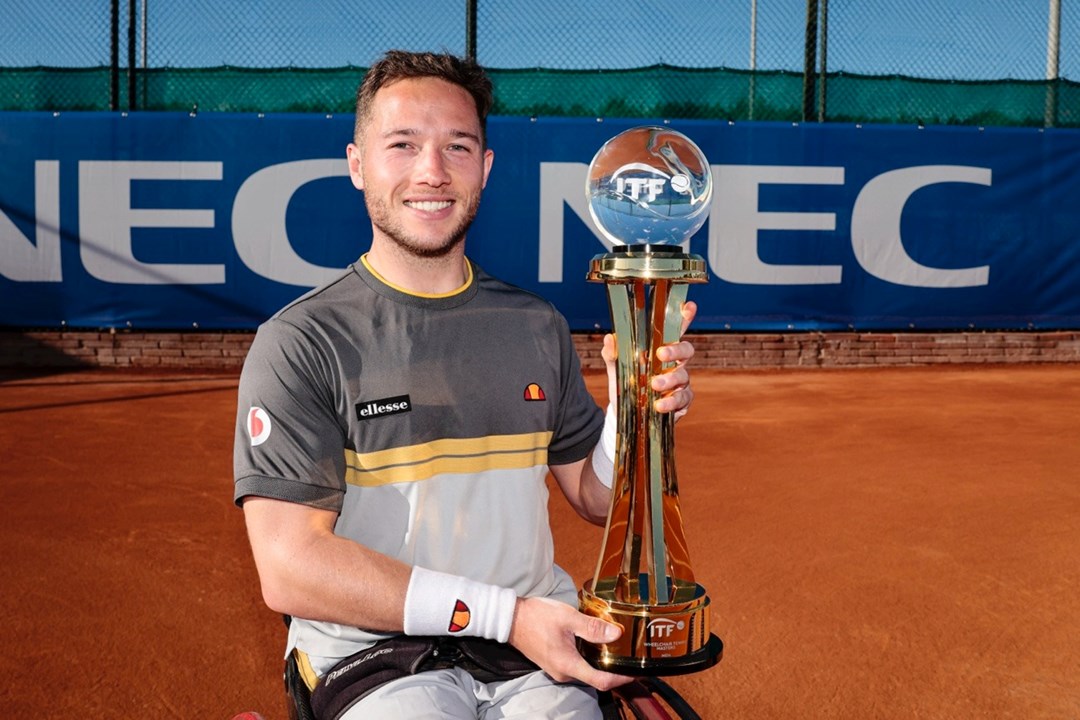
<point>644,699</point>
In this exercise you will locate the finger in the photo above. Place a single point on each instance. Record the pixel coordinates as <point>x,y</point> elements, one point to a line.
<point>594,630</point>
<point>688,311</point>
<point>673,388</point>
<point>581,671</point>
<point>602,680</point>
<point>676,402</point>
<point>597,631</point>
<point>608,352</point>
<point>671,380</point>
<point>681,351</point>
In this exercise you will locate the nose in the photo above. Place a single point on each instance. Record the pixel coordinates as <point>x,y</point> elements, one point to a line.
<point>431,168</point>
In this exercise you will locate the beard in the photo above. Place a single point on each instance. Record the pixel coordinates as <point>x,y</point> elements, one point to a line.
<point>385,221</point>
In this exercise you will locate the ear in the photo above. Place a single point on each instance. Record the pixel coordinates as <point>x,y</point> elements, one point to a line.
<point>489,158</point>
<point>356,170</point>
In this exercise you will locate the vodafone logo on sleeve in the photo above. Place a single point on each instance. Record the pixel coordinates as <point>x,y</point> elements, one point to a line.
<point>258,426</point>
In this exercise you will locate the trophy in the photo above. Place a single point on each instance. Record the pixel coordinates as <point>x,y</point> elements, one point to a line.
<point>649,190</point>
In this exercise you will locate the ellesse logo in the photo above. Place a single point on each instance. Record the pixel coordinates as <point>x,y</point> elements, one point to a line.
<point>368,409</point>
<point>461,617</point>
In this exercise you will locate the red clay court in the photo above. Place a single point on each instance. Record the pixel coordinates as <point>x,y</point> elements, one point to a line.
<point>895,543</point>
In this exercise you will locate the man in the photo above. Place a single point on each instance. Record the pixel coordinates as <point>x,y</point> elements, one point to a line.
<point>395,429</point>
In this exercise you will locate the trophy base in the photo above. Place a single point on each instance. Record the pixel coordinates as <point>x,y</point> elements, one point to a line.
<point>702,659</point>
<point>665,639</point>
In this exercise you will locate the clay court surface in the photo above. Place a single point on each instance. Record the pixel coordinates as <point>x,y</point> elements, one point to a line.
<point>876,543</point>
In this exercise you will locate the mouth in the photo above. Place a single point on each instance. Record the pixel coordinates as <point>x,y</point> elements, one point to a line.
<point>428,205</point>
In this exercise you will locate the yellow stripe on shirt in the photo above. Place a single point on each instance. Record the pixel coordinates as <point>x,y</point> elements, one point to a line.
<point>447,456</point>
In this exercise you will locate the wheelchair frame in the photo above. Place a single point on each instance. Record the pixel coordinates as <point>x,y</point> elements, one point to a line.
<point>643,699</point>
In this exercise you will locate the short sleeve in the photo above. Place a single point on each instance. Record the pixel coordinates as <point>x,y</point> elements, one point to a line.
<point>289,441</point>
<point>580,420</point>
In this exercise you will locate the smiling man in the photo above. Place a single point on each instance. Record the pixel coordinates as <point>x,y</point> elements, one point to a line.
<point>422,162</point>
<point>394,431</point>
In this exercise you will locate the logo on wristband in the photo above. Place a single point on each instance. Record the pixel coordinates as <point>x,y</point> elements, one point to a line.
<point>461,617</point>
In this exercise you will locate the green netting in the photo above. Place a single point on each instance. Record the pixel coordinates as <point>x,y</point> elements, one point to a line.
<point>660,91</point>
<point>233,89</point>
<point>220,89</point>
<point>952,102</point>
<point>38,88</point>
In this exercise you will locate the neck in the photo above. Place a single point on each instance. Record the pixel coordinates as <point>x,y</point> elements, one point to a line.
<point>420,275</point>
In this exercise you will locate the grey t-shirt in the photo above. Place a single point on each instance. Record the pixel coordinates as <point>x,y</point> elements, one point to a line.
<point>427,422</point>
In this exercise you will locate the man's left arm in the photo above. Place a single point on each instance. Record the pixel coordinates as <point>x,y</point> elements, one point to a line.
<point>587,494</point>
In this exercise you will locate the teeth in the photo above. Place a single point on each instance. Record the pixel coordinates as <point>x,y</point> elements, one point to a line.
<point>429,205</point>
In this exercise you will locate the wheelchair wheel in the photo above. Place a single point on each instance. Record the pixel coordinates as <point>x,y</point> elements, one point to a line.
<point>651,699</point>
<point>297,695</point>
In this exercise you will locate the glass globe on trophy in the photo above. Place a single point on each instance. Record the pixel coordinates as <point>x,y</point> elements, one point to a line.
<point>649,190</point>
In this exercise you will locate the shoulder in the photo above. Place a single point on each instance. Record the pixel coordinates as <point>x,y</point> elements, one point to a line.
<point>346,288</point>
<point>496,291</point>
<point>308,326</point>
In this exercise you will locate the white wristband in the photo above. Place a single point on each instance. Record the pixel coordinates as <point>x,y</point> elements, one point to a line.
<point>603,456</point>
<point>438,603</point>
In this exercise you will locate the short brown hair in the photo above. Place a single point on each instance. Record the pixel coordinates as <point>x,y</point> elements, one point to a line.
<point>401,65</point>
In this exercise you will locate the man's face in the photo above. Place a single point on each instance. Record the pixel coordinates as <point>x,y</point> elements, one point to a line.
<point>421,165</point>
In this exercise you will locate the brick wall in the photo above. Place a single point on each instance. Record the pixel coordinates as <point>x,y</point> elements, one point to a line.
<point>226,350</point>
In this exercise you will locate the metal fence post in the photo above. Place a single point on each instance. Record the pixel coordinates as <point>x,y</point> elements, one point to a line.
<point>131,104</point>
<point>143,50</point>
<point>823,66</point>
<point>114,55</point>
<point>1053,63</point>
<point>810,60</point>
<point>470,29</point>
<point>753,55</point>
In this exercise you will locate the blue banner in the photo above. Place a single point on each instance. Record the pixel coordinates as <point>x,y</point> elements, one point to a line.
<point>164,221</point>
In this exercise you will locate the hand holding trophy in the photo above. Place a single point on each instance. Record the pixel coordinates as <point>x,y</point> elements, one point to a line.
<point>649,191</point>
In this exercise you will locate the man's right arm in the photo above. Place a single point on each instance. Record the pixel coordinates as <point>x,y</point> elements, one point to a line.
<point>307,571</point>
